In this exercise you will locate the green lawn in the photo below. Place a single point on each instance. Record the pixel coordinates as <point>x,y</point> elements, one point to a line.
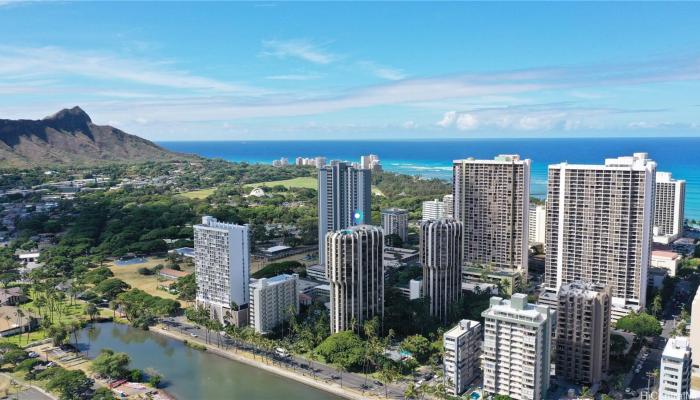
<point>308,182</point>
<point>198,194</point>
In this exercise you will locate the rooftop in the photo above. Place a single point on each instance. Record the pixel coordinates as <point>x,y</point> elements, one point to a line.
<point>677,347</point>
<point>275,280</point>
<point>462,327</point>
<point>275,249</point>
<point>671,255</point>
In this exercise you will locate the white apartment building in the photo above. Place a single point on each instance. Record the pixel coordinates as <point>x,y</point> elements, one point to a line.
<point>694,338</point>
<point>669,209</point>
<point>395,222</point>
<point>537,216</point>
<point>462,364</point>
<point>517,348</point>
<point>599,227</point>
<point>273,301</point>
<point>355,271</point>
<point>491,200</point>
<point>433,209</point>
<point>222,269</point>
<point>676,365</point>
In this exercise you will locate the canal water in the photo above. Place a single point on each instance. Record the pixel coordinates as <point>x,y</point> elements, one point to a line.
<point>192,374</point>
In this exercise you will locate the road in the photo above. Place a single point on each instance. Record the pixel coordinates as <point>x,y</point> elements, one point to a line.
<point>303,365</point>
<point>640,380</point>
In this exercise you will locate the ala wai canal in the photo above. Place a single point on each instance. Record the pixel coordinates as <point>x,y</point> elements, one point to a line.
<point>190,374</point>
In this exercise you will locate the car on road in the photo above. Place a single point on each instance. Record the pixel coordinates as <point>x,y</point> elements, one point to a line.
<point>194,334</point>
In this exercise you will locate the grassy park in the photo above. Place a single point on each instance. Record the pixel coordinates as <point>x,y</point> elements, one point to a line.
<point>148,283</point>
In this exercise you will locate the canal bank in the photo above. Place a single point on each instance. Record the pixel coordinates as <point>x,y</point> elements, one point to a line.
<point>194,374</point>
<point>247,358</point>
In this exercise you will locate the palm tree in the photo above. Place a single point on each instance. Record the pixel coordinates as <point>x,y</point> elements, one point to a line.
<point>411,391</point>
<point>586,393</point>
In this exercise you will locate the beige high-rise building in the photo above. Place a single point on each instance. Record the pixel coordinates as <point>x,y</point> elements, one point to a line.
<point>669,208</point>
<point>395,222</point>
<point>355,270</point>
<point>599,227</point>
<point>517,348</point>
<point>491,200</point>
<point>536,225</point>
<point>583,332</point>
<point>441,259</point>
<point>448,202</point>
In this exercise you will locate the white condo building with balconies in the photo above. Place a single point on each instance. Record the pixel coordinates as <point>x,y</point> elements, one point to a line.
<point>676,365</point>
<point>222,269</point>
<point>517,347</point>
<point>462,364</point>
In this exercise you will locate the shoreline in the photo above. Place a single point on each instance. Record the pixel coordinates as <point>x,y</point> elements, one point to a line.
<point>239,356</point>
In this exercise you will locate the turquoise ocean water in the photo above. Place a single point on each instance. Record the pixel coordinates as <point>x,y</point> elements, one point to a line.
<point>433,158</point>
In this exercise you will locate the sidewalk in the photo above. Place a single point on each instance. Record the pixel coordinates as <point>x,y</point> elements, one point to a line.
<point>248,358</point>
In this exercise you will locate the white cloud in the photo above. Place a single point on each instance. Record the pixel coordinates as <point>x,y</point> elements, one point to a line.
<point>409,125</point>
<point>466,122</point>
<point>447,119</point>
<point>382,71</point>
<point>293,77</point>
<point>298,48</point>
<point>26,63</point>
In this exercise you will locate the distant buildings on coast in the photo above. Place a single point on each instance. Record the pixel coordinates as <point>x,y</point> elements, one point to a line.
<point>596,229</point>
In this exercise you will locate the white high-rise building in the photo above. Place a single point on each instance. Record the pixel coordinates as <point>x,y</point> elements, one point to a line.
<point>491,200</point>
<point>669,209</point>
<point>344,200</point>
<point>517,347</point>
<point>355,270</point>
<point>537,217</point>
<point>273,301</point>
<point>433,209</point>
<point>599,227</point>
<point>695,331</point>
<point>448,202</point>
<point>395,222</point>
<point>676,365</point>
<point>222,265</point>
<point>462,345</point>
<point>320,162</point>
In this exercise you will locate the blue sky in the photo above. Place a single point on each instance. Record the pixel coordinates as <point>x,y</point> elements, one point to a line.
<point>194,71</point>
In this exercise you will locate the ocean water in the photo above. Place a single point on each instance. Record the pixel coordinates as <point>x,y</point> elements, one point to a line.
<point>433,158</point>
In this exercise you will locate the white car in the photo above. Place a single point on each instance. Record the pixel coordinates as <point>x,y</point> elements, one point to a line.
<point>194,335</point>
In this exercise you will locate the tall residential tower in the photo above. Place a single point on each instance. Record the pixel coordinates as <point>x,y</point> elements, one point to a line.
<point>599,227</point>
<point>491,200</point>
<point>441,259</point>
<point>222,265</point>
<point>355,270</point>
<point>669,209</point>
<point>583,332</point>
<point>344,200</point>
